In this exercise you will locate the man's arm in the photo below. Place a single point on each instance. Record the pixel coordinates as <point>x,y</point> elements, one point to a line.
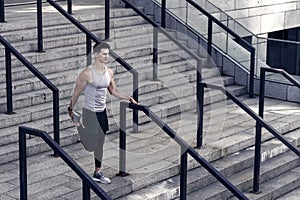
<point>112,88</point>
<point>80,84</point>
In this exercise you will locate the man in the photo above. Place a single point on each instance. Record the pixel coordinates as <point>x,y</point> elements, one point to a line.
<point>94,81</point>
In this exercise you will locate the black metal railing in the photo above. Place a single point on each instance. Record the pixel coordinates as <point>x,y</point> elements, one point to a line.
<point>87,182</point>
<point>38,3</point>
<point>158,29</point>
<point>211,19</point>
<point>257,159</point>
<point>2,11</point>
<point>185,150</point>
<point>260,123</point>
<point>9,49</point>
<point>90,36</point>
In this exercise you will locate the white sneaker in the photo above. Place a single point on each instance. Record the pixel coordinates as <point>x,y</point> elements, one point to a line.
<point>99,177</point>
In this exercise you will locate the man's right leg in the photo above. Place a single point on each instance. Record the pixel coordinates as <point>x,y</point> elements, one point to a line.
<point>98,154</point>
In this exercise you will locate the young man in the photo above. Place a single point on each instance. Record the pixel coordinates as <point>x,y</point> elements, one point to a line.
<point>94,81</point>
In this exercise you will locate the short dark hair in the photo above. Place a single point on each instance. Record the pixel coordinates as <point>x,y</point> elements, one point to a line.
<point>98,46</point>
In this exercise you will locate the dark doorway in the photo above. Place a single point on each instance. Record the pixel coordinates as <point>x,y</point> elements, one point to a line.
<point>284,55</point>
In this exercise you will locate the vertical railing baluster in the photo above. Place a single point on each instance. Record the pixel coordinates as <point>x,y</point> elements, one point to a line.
<point>107,20</point>
<point>88,50</point>
<point>8,75</point>
<point>163,13</point>
<point>40,25</point>
<point>257,153</point>
<point>155,53</point>
<point>136,97</point>
<point>252,66</point>
<point>209,37</point>
<point>122,133</point>
<point>22,164</point>
<point>2,11</point>
<point>183,174</point>
<point>56,117</point>
<point>86,192</point>
<point>200,104</point>
<point>70,4</point>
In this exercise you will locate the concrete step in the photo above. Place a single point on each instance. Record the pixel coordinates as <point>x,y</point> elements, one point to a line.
<point>278,176</point>
<point>8,151</point>
<point>292,195</point>
<point>163,164</point>
<point>54,18</point>
<point>143,173</point>
<point>65,81</point>
<point>165,102</point>
<point>164,97</point>
<point>65,58</point>
<point>236,167</point>
<point>145,87</point>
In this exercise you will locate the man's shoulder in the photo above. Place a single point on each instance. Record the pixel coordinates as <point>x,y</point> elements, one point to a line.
<point>86,72</point>
<point>110,71</point>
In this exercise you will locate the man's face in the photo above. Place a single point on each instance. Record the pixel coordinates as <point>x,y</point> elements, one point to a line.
<point>103,55</point>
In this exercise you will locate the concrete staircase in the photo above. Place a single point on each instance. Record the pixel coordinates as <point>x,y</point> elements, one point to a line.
<point>227,146</point>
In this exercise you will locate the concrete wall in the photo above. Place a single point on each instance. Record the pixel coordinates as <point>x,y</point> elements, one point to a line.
<point>263,16</point>
<point>259,16</point>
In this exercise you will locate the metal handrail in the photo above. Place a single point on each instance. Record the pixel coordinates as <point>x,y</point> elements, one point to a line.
<point>185,149</point>
<point>10,49</point>
<point>257,159</point>
<point>183,47</point>
<point>238,39</point>
<point>159,28</point>
<point>87,181</point>
<point>91,36</point>
<point>260,122</point>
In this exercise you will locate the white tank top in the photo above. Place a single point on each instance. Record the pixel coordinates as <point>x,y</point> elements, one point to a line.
<point>95,92</point>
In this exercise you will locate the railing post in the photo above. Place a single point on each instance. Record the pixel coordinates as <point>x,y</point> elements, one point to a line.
<point>40,25</point>
<point>163,13</point>
<point>88,50</point>
<point>209,37</point>
<point>155,53</point>
<point>86,192</point>
<point>136,97</point>
<point>56,117</point>
<point>200,103</point>
<point>183,174</point>
<point>70,11</point>
<point>107,16</point>
<point>122,133</point>
<point>23,164</point>
<point>251,81</point>
<point>2,11</point>
<point>257,155</point>
<point>9,94</point>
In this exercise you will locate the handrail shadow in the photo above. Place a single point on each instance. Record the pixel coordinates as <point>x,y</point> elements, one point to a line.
<point>90,36</point>
<point>185,150</point>
<point>87,181</point>
<point>10,49</point>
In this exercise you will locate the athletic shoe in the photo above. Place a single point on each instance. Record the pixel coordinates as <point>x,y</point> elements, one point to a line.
<point>99,177</point>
